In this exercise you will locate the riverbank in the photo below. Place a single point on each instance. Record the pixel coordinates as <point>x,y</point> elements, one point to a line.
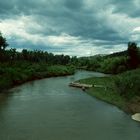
<point>121,90</point>
<point>18,73</point>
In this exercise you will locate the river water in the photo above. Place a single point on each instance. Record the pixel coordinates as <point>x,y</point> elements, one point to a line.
<point>49,109</point>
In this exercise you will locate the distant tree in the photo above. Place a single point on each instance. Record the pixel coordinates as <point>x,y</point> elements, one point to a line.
<point>66,59</point>
<point>133,53</point>
<point>25,54</point>
<point>74,60</point>
<point>12,52</point>
<point>3,45</point>
<point>3,42</point>
<point>36,56</point>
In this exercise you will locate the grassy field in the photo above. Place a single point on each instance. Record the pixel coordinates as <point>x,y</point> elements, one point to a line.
<point>121,90</point>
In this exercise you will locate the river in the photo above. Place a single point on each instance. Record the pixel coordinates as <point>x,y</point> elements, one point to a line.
<point>49,109</point>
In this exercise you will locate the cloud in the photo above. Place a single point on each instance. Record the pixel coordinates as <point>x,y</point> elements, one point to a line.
<point>80,27</point>
<point>135,35</point>
<point>128,7</point>
<point>137,29</point>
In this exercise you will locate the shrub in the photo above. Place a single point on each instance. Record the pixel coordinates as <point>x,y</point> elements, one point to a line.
<point>114,65</point>
<point>128,83</point>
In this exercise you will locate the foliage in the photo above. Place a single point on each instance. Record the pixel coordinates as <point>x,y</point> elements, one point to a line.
<point>35,56</point>
<point>18,72</point>
<point>127,84</point>
<point>122,90</point>
<point>19,67</point>
<point>133,54</point>
<point>90,63</point>
<point>114,65</point>
<point>106,92</point>
<point>3,42</point>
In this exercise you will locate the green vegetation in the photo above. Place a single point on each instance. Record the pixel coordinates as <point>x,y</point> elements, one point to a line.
<point>121,90</point>
<point>18,73</point>
<point>19,67</point>
<point>114,63</point>
<point>127,84</point>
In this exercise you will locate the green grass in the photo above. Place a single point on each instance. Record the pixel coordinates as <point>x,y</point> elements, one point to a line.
<point>18,73</point>
<point>126,98</point>
<point>106,92</point>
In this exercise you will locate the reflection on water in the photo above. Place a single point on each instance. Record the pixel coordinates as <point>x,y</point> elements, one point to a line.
<point>49,109</point>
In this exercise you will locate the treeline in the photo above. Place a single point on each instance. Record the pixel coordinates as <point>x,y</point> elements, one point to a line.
<point>19,67</point>
<point>35,56</point>
<point>122,89</point>
<point>114,63</point>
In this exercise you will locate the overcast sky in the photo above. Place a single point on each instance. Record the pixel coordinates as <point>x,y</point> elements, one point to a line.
<point>73,27</point>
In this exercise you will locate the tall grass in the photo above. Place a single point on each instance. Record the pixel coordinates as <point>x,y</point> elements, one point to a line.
<point>17,73</point>
<point>122,90</point>
<point>128,84</point>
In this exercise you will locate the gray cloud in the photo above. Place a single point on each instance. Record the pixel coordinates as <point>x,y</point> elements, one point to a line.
<point>88,24</point>
<point>128,7</point>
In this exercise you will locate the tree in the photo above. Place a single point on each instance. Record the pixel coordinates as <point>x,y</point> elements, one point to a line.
<point>25,54</point>
<point>3,42</point>
<point>3,45</point>
<point>133,54</point>
<point>12,52</point>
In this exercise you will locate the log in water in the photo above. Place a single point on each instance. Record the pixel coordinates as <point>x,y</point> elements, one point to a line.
<point>79,85</point>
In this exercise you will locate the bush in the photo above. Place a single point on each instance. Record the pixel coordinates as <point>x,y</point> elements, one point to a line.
<point>121,69</point>
<point>128,83</point>
<point>114,65</point>
<point>5,83</point>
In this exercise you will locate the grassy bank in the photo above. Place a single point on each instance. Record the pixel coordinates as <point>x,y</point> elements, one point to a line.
<point>121,90</point>
<point>12,74</point>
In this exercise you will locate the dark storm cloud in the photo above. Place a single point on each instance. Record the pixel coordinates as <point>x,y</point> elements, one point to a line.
<point>90,20</point>
<point>129,7</point>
